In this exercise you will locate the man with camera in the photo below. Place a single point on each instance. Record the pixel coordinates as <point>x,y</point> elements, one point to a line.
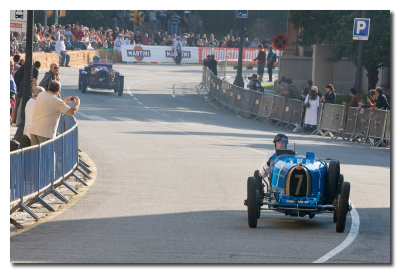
<point>47,112</point>
<point>255,84</point>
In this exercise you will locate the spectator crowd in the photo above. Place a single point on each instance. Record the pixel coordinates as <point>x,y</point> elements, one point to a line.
<point>168,26</point>
<point>312,97</point>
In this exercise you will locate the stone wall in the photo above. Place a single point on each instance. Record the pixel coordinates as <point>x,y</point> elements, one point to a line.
<point>299,70</point>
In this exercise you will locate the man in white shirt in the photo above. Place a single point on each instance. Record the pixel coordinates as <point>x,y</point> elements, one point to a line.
<point>118,42</point>
<point>62,51</point>
<point>178,50</point>
<point>47,112</point>
<point>29,110</point>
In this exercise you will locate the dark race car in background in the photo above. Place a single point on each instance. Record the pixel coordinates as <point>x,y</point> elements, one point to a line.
<point>100,74</point>
<point>299,186</point>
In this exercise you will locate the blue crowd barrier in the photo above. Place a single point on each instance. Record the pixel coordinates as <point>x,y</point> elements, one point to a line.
<point>333,119</point>
<point>35,169</point>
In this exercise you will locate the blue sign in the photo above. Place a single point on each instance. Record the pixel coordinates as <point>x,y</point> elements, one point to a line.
<point>361,28</point>
<point>242,14</point>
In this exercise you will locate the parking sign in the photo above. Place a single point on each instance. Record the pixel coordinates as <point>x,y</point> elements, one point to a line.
<point>242,14</point>
<point>361,28</point>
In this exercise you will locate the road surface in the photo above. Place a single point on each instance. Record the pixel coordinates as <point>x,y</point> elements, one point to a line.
<point>171,181</point>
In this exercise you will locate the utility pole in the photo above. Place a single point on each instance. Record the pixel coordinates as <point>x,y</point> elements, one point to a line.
<point>45,18</point>
<point>56,17</point>
<point>28,73</point>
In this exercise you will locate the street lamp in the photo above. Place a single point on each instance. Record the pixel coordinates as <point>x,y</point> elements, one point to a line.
<point>242,14</point>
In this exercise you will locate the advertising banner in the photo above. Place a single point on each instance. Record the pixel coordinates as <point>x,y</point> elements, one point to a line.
<point>192,55</point>
<point>223,53</point>
<point>157,54</point>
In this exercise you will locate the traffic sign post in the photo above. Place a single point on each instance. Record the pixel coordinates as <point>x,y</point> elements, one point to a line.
<point>280,42</point>
<point>242,14</point>
<point>18,19</point>
<point>360,32</point>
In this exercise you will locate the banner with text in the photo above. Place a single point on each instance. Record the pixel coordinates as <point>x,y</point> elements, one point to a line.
<point>157,54</point>
<point>192,55</point>
<point>223,53</point>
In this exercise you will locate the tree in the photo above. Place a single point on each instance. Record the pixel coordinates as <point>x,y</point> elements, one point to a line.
<point>334,28</point>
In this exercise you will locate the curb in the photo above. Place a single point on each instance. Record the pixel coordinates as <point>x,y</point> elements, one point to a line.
<point>45,215</point>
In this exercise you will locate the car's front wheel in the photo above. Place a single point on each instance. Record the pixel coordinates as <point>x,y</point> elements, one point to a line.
<point>252,202</point>
<point>332,181</point>
<point>342,207</point>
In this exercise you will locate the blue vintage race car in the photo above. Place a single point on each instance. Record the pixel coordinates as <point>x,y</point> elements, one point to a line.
<point>299,186</point>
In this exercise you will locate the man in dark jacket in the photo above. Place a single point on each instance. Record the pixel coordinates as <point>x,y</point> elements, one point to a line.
<point>381,100</point>
<point>49,76</point>
<point>212,65</point>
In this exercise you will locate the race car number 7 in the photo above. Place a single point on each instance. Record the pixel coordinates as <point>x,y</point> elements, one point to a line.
<point>300,177</point>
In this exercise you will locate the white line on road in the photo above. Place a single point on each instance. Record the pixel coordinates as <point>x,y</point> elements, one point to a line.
<point>97,118</point>
<point>92,117</point>
<point>139,102</point>
<point>126,119</point>
<point>355,225</point>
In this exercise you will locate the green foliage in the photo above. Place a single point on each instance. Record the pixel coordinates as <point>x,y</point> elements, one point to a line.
<point>268,85</point>
<point>90,18</point>
<point>334,28</point>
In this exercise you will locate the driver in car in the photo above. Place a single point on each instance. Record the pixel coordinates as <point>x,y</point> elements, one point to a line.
<point>280,141</point>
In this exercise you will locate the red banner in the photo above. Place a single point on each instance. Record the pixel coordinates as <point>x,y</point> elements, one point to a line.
<point>223,53</point>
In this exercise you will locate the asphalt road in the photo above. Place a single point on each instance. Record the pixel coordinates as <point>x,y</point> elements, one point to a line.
<point>171,181</point>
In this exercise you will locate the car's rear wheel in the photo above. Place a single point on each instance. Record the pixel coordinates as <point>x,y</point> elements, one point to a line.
<point>342,207</point>
<point>121,86</point>
<point>84,83</point>
<point>332,181</point>
<point>80,83</point>
<point>252,202</point>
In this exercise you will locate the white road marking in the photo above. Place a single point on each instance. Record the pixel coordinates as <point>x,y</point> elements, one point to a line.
<point>83,115</point>
<point>139,102</point>
<point>97,118</point>
<point>92,117</point>
<point>125,119</point>
<point>355,225</point>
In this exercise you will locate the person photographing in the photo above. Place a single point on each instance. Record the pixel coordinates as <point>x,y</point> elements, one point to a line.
<point>255,84</point>
<point>47,112</point>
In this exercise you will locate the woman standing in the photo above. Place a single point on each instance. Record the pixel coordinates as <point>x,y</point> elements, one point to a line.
<point>330,96</point>
<point>312,103</point>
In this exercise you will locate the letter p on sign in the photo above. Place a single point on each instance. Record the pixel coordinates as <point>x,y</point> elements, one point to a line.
<point>361,28</point>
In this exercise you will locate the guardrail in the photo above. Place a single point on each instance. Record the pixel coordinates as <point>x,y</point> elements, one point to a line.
<point>37,170</point>
<point>336,121</point>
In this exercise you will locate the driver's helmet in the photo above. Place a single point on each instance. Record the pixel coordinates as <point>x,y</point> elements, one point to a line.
<point>96,59</point>
<point>281,138</point>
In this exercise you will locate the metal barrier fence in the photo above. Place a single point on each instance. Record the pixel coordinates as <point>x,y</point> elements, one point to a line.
<point>334,120</point>
<point>37,170</point>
